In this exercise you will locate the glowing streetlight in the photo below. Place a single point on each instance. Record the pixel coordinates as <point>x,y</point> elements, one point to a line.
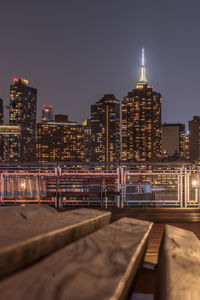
<point>194,183</point>
<point>23,185</point>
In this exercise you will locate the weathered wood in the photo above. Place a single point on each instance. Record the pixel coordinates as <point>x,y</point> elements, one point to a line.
<point>27,236</point>
<point>179,265</point>
<point>99,266</point>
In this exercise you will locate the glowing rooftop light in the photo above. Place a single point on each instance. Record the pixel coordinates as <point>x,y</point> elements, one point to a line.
<point>143,56</point>
<point>143,70</point>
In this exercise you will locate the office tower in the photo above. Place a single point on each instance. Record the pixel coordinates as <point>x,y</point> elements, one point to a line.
<point>87,139</point>
<point>173,140</point>
<point>187,149</point>
<point>60,142</point>
<point>194,138</point>
<point>141,122</point>
<point>10,143</point>
<point>1,112</point>
<point>47,113</point>
<point>105,129</point>
<point>23,102</point>
<point>61,118</point>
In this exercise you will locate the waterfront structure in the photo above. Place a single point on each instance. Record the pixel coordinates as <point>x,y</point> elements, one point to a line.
<point>58,141</point>
<point>105,129</point>
<point>1,112</point>
<point>141,122</point>
<point>10,137</point>
<point>194,138</point>
<point>61,118</point>
<point>47,113</point>
<point>87,139</point>
<point>173,141</point>
<point>23,103</point>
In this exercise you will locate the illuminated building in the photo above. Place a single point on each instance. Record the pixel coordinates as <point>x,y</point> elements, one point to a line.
<point>61,118</point>
<point>23,102</point>
<point>10,143</point>
<point>173,140</point>
<point>187,149</point>
<point>58,141</point>
<point>194,138</point>
<point>47,113</point>
<point>87,139</point>
<point>141,122</point>
<point>105,129</point>
<point>1,112</point>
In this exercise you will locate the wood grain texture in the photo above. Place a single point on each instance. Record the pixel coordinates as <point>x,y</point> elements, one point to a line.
<point>179,265</point>
<point>99,266</point>
<point>28,236</point>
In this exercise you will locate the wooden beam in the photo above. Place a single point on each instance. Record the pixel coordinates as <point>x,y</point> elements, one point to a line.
<point>179,265</point>
<point>99,266</point>
<point>34,231</point>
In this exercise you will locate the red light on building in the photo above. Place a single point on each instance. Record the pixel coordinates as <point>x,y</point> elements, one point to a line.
<point>50,106</point>
<point>15,79</point>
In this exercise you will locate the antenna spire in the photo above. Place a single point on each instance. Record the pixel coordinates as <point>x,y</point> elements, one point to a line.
<point>143,70</point>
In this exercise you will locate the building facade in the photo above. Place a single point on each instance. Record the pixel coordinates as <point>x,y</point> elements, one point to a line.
<point>47,113</point>
<point>87,139</point>
<point>61,118</point>
<point>105,129</point>
<point>141,122</point>
<point>60,142</point>
<point>173,141</point>
<point>10,137</point>
<point>194,139</point>
<point>23,104</point>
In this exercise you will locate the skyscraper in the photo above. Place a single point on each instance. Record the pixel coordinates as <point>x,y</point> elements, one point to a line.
<point>58,141</point>
<point>47,113</point>
<point>105,129</point>
<point>194,138</point>
<point>10,143</point>
<point>173,140</point>
<point>141,122</point>
<point>87,139</point>
<point>23,102</point>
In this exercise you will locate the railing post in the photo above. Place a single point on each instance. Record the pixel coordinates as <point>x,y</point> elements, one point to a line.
<point>186,188</point>
<point>58,173</point>
<point>1,198</point>
<point>180,188</point>
<point>118,187</point>
<point>123,184</point>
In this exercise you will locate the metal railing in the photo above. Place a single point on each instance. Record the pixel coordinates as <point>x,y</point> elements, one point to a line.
<point>127,185</point>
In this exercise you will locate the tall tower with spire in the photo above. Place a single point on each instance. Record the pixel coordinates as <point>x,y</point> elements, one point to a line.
<point>141,121</point>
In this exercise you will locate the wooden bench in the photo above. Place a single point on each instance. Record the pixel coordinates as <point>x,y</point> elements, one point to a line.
<point>179,265</point>
<point>79,255</point>
<point>101,265</point>
<point>31,232</point>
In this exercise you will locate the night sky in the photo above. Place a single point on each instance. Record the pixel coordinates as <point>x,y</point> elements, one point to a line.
<point>75,51</point>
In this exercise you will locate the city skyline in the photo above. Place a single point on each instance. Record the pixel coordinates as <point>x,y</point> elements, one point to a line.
<point>74,61</point>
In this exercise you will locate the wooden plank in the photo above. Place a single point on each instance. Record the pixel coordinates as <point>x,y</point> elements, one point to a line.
<point>28,236</point>
<point>179,265</point>
<point>99,266</point>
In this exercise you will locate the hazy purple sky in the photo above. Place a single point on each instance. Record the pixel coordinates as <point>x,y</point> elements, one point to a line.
<point>74,51</point>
